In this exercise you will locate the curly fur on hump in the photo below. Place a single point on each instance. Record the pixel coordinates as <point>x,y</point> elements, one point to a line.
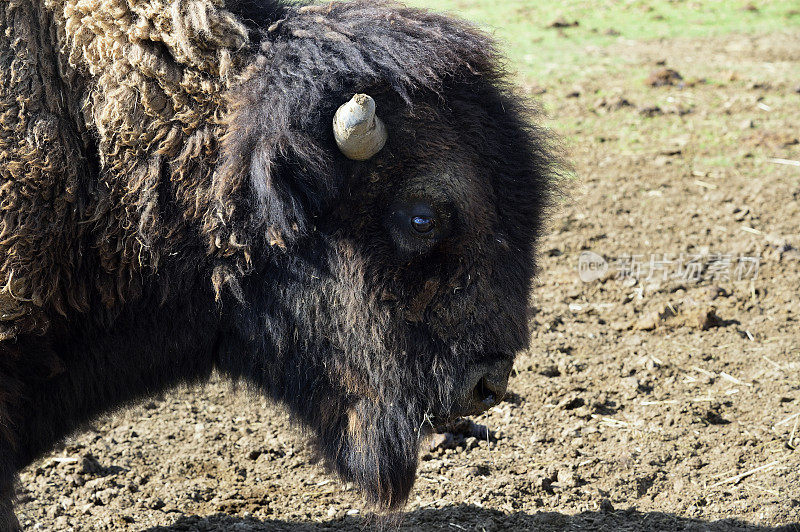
<point>110,114</point>
<point>123,139</point>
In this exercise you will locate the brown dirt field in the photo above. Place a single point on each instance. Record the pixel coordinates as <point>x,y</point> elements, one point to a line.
<point>642,404</point>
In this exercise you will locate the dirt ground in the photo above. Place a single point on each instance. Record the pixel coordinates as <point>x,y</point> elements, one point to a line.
<point>643,403</point>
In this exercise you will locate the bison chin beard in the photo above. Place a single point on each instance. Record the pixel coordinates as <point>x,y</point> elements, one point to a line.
<point>375,446</point>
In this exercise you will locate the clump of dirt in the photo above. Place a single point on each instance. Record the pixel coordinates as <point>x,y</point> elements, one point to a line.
<point>771,139</point>
<point>563,23</point>
<point>663,77</point>
<point>613,103</point>
<point>463,433</point>
<point>701,317</point>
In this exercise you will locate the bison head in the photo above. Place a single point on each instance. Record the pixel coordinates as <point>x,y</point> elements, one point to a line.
<point>379,258</point>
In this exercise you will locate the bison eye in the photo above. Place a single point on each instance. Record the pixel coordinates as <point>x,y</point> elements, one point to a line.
<point>418,218</point>
<point>422,224</point>
<point>416,226</point>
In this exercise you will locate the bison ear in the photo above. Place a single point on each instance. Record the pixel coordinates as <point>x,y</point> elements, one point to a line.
<point>267,186</point>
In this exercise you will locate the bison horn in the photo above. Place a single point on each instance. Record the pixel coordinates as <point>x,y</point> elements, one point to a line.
<point>359,133</point>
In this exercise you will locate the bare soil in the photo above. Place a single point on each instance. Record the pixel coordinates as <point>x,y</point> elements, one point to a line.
<point>643,403</point>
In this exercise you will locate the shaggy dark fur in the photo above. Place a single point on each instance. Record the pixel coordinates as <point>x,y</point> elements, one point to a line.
<point>173,202</point>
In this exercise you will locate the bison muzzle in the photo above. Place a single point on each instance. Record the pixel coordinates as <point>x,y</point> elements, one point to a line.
<point>336,204</point>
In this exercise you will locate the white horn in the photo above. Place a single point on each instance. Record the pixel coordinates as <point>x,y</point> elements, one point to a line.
<point>359,133</point>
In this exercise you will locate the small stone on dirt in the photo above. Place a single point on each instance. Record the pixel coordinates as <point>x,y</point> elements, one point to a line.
<point>441,441</point>
<point>619,325</point>
<point>714,292</point>
<point>478,471</point>
<point>538,437</point>
<point>568,478</point>
<point>550,371</point>
<point>648,322</point>
<point>157,504</point>
<point>703,318</point>
<point>631,383</point>
<point>90,466</point>
<point>606,506</point>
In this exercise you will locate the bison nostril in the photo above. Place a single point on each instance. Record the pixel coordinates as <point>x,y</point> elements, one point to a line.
<point>486,394</point>
<point>484,388</point>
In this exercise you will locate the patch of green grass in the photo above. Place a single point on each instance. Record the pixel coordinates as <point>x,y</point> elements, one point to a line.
<point>538,51</point>
<point>598,59</point>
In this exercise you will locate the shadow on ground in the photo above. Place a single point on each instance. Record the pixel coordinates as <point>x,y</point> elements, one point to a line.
<point>473,518</point>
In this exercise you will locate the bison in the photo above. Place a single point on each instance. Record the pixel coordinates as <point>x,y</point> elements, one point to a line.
<point>336,204</point>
